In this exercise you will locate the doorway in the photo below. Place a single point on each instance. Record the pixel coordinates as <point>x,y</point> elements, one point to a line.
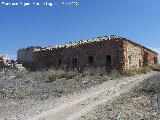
<point>108,61</point>
<point>75,62</point>
<point>90,60</point>
<point>59,62</point>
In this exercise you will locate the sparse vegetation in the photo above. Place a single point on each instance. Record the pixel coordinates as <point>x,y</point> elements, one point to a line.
<point>156,67</point>
<point>134,71</point>
<point>21,74</point>
<point>142,103</point>
<point>20,84</point>
<point>14,72</point>
<point>42,85</point>
<point>53,74</point>
<point>94,71</point>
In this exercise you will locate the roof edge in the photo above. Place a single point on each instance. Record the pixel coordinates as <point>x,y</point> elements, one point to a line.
<point>140,45</point>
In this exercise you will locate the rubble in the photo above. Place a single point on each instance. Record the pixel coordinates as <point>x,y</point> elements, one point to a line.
<point>4,59</point>
<point>82,42</point>
<point>7,62</point>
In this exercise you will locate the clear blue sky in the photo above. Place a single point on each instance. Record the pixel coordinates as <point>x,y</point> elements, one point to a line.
<point>20,26</point>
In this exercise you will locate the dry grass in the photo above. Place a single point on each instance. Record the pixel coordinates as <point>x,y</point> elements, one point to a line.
<point>142,70</point>
<point>94,71</point>
<point>156,67</point>
<point>134,71</point>
<point>53,74</point>
<point>21,74</point>
<point>14,72</point>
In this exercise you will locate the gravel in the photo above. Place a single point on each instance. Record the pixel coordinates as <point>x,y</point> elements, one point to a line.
<point>23,93</point>
<point>142,103</point>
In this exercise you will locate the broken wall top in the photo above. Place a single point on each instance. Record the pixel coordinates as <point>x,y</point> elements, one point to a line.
<point>82,42</point>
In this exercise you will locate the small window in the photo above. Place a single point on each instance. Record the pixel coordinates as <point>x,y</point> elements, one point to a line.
<point>60,62</point>
<point>145,59</point>
<point>155,60</point>
<point>140,63</point>
<point>90,59</point>
<point>130,59</point>
<point>108,61</point>
<point>75,62</point>
<point>146,56</point>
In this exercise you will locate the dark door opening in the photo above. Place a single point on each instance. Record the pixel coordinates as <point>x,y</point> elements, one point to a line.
<point>146,59</point>
<point>130,59</point>
<point>75,62</point>
<point>155,60</point>
<point>139,63</point>
<point>60,63</point>
<point>90,59</point>
<point>108,62</point>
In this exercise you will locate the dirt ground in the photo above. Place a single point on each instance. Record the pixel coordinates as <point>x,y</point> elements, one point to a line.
<point>141,103</point>
<point>30,97</point>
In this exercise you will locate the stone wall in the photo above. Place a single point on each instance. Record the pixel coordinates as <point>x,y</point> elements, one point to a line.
<point>111,52</point>
<point>138,56</point>
<point>25,55</point>
<point>133,56</point>
<point>149,57</point>
<point>4,58</point>
<point>7,62</point>
<point>93,54</point>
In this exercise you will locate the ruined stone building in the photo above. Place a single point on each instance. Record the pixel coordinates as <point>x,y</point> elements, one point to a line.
<point>7,62</point>
<point>111,52</point>
<point>4,58</point>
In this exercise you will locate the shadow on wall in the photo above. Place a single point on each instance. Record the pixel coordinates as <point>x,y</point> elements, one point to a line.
<point>158,51</point>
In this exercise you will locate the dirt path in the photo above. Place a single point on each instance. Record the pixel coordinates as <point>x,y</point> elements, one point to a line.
<point>74,106</point>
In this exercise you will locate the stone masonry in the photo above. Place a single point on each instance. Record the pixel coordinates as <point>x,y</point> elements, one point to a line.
<point>111,52</point>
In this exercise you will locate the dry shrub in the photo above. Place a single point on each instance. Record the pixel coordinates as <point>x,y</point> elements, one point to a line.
<point>115,73</point>
<point>53,74</point>
<point>143,70</point>
<point>129,72</point>
<point>15,72</point>
<point>94,71</point>
<point>21,73</point>
<point>134,71</point>
<point>155,67</point>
